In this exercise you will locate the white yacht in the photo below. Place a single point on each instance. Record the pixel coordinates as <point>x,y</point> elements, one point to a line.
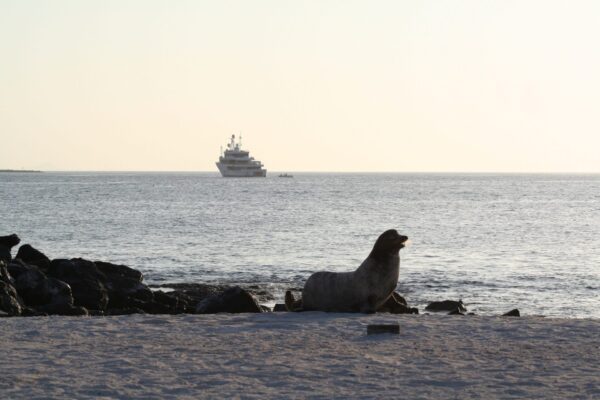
<point>235,162</point>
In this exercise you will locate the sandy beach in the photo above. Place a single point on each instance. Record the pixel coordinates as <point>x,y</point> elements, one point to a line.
<point>299,355</point>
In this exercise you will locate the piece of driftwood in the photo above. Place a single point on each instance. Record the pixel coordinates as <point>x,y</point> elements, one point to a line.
<point>383,328</point>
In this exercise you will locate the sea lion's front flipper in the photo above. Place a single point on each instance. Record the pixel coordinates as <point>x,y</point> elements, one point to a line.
<point>369,306</point>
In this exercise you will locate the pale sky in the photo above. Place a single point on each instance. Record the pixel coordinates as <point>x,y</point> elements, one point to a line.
<point>504,86</point>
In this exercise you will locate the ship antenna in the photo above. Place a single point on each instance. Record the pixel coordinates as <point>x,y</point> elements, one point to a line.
<point>240,142</point>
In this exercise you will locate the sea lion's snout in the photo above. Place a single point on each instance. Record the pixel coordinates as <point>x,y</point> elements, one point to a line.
<point>402,240</point>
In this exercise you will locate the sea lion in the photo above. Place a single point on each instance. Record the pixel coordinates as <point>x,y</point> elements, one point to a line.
<point>364,290</point>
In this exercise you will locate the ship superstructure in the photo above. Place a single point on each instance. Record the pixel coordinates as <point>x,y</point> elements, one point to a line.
<point>235,162</point>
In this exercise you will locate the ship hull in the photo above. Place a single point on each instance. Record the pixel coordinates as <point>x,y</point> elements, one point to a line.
<point>240,172</point>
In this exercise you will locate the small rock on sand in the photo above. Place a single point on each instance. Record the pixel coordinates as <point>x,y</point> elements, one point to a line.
<point>512,313</point>
<point>446,305</point>
<point>373,329</point>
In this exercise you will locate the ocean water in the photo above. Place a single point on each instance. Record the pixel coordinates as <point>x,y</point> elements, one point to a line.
<point>495,241</point>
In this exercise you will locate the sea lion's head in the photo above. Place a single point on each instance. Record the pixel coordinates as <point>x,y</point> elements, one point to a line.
<point>388,243</point>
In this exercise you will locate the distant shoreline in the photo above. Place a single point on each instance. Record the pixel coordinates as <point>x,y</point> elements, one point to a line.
<point>19,170</point>
<point>277,172</point>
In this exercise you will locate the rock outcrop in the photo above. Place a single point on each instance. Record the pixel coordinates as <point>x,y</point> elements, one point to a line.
<point>232,300</point>
<point>31,284</point>
<point>10,303</point>
<point>37,289</point>
<point>123,285</point>
<point>6,244</point>
<point>33,256</point>
<point>85,279</point>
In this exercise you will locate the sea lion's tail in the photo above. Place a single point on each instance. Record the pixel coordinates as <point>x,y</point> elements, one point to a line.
<point>291,304</point>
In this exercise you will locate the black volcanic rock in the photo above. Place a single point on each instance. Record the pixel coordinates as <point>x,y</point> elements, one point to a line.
<point>396,304</point>
<point>6,244</point>
<point>188,295</point>
<point>185,303</point>
<point>166,299</point>
<point>259,292</point>
<point>115,271</point>
<point>9,302</point>
<point>86,281</point>
<point>233,300</point>
<point>62,309</point>
<point>125,311</point>
<point>39,294</point>
<point>32,312</point>
<point>4,274</point>
<point>36,289</point>
<point>9,299</point>
<point>122,291</point>
<point>152,307</point>
<point>33,256</point>
<point>123,284</point>
<point>512,313</point>
<point>446,305</point>
<point>195,291</point>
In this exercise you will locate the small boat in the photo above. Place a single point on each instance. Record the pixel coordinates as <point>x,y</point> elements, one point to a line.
<point>286,176</point>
